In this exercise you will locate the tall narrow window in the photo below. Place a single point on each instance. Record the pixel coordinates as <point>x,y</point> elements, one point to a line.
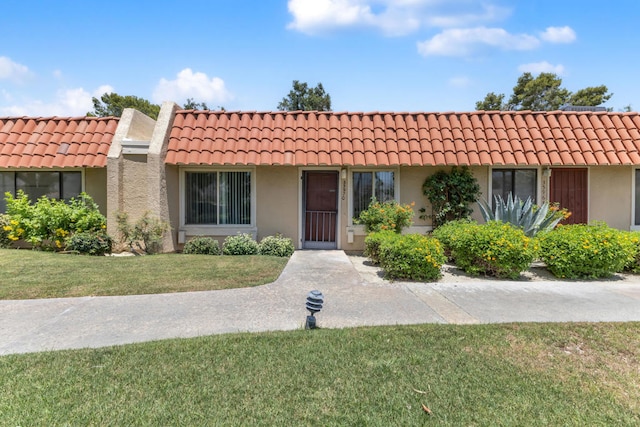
<point>366,185</point>
<point>218,198</point>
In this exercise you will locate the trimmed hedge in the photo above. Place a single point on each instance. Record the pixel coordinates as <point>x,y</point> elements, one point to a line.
<point>240,244</point>
<point>493,249</point>
<point>413,257</point>
<point>276,246</point>
<point>581,251</point>
<point>201,245</point>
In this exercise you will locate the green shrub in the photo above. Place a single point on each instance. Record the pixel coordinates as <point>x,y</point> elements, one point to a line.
<point>493,249</point>
<point>240,244</point>
<point>449,232</point>
<point>145,235</point>
<point>633,265</point>
<point>413,257</point>
<point>581,251</point>
<point>201,245</point>
<point>388,215</point>
<point>48,223</point>
<point>450,194</point>
<point>5,231</point>
<point>90,243</point>
<point>373,241</point>
<point>276,246</point>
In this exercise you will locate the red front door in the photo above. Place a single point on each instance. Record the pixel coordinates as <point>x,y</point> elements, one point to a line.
<point>321,209</point>
<point>569,188</point>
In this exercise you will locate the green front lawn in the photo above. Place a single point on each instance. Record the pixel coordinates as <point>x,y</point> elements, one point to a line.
<point>499,375</point>
<point>35,274</point>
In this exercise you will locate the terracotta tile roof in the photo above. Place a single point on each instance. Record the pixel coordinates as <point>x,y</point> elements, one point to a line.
<point>392,139</point>
<point>55,142</point>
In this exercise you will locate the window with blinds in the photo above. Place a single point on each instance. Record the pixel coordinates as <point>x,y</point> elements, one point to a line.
<point>218,198</point>
<point>369,184</point>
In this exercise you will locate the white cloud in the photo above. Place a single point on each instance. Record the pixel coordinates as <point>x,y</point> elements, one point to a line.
<point>487,13</point>
<point>464,41</point>
<point>101,90</point>
<point>541,67</point>
<point>459,82</point>
<point>67,102</point>
<point>558,35</point>
<point>13,71</point>
<point>192,85</point>
<point>392,17</point>
<point>313,16</point>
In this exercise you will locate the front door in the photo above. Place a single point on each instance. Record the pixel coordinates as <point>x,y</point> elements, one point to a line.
<point>569,188</point>
<point>320,209</point>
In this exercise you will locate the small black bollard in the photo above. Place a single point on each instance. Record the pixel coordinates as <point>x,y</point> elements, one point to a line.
<point>315,299</point>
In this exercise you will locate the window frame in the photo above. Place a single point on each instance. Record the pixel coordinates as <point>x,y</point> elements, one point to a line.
<point>396,187</point>
<point>211,229</point>
<point>635,207</point>
<point>538,174</point>
<point>61,186</point>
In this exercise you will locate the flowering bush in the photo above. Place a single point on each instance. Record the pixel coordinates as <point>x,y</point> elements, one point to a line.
<point>450,231</point>
<point>494,249</point>
<point>276,246</point>
<point>374,241</point>
<point>48,223</point>
<point>588,251</point>
<point>5,231</point>
<point>388,215</point>
<point>201,245</point>
<point>240,244</point>
<point>412,256</point>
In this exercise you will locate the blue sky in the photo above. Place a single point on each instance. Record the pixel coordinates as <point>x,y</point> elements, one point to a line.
<point>370,55</point>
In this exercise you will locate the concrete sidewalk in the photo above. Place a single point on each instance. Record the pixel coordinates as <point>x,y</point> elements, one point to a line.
<point>355,295</point>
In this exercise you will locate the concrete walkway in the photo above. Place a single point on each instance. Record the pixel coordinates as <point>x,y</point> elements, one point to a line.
<point>355,295</point>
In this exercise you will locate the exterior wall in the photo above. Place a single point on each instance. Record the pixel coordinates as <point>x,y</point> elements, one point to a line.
<point>159,183</point>
<point>411,180</point>
<point>277,201</point>
<point>610,195</point>
<point>95,185</point>
<point>127,177</point>
<point>172,177</point>
<point>484,180</point>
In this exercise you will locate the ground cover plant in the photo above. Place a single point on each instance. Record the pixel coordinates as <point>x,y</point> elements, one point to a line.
<point>36,274</point>
<point>581,251</point>
<point>441,375</point>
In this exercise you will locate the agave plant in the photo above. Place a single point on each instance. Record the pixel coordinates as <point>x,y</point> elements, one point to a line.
<point>525,215</point>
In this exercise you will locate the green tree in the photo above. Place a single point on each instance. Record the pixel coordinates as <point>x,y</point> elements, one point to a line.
<point>590,96</point>
<point>112,104</point>
<point>491,101</point>
<point>544,93</point>
<point>304,98</point>
<point>192,105</point>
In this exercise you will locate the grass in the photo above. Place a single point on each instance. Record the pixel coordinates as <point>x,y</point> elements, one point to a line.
<point>33,274</point>
<point>517,374</point>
